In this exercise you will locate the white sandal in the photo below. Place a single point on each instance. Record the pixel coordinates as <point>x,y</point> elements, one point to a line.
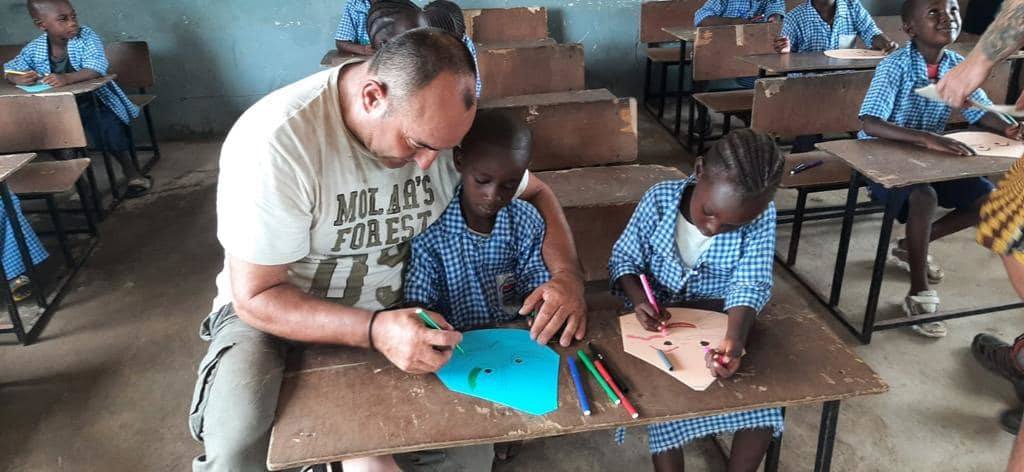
<point>923,303</point>
<point>901,258</point>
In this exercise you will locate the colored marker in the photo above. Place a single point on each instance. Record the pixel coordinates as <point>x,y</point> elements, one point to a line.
<point>599,356</point>
<point>430,322</point>
<point>664,359</point>
<point>650,298</point>
<point>716,356</point>
<point>600,381</point>
<point>15,72</point>
<point>625,401</point>
<point>580,394</point>
<point>805,166</point>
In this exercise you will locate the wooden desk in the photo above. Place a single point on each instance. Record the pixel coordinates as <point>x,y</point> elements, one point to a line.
<point>338,403</point>
<point>6,88</point>
<point>334,58</point>
<point>893,165</point>
<point>781,64</point>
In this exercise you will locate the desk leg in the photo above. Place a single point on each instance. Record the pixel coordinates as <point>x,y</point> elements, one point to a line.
<point>38,289</point>
<point>844,239</point>
<point>827,436</point>
<point>771,460</point>
<point>102,143</point>
<point>679,87</point>
<point>12,309</point>
<point>878,271</point>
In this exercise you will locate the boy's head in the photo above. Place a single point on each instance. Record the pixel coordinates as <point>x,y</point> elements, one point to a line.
<point>56,17</point>
<point>389,18</point>
<point>736,180</point>
<point>446,15</point>
<point>492,159</point>
<point>934,23</point>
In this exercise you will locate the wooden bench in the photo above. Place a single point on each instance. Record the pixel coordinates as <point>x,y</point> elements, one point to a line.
<point>316,422</point>
<point>714,58</point>
<point>598,202</point>
<point>655,15</point>
<point>575,129</point>
<point>526,68</point>
<point>130,61</point>
<point>498,25</point>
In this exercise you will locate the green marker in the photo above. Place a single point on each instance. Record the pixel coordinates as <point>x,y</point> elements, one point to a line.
<point>593,371</point>
<point>430,322</point>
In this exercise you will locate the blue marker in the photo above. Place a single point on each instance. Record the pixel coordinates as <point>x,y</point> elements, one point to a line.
<point>579,385</point>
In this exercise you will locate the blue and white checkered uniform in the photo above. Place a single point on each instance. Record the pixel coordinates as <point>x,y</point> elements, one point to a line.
<point>472,50</point>
<point>13,264</point>
<point>736,267</point>
<point>85,51</point>
<point>891,96</point>
<point>746,9</point>
<point>472,279</point>
<point>352,26</point>
<point>807,31</point>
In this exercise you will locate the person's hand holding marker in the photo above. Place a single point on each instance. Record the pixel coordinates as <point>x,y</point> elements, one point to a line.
<point>724,361</point>
<point>411,345</point>
<point>21,78</point>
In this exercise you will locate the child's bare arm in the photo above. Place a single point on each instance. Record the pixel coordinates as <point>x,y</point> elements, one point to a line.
<point>1002,126</point>
<point>879,128</point>
<point>882,42</point>
<point>650,319</point>
<point>60,80</point>
<point>349,47</point>
<point>27,78</point>
<point>724,360</point>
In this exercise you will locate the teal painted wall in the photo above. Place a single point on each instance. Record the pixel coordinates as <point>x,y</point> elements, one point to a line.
<point>214,58</point>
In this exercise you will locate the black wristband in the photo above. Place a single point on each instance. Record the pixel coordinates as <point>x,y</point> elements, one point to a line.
<point>369,329</point>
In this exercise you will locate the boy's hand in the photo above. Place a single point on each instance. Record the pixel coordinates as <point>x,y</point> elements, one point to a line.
<point>55,80</point>
<point>1015,132</point>
<point>28,78</point>
<point>648,318</point>
<point>781,45</point>
<point>881,43</point>
<point>948,145</point>
<point>724,361</point>
<point>776,18</point>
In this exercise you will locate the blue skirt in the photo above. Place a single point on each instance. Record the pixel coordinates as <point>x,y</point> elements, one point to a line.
<point>13,265</point>
<point>662,437</point>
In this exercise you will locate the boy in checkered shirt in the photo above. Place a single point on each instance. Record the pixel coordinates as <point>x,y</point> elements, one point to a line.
<point>736,12</point>
<point>821,25</point>
<point>478,262</point>
<point>892,110</point>
<point>351,36</point>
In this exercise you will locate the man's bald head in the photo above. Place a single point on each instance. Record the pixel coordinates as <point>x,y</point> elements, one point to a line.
<point>412,60</point>
<point>36,8</point>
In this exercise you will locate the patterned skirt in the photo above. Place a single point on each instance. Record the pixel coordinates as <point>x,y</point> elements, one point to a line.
<point>1002,218</point>
<point>13,264</point>
<point>662,437</point>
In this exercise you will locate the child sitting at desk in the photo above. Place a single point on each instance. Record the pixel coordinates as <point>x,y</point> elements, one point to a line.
<point>476,264</point>
<point>709,237</point>
<point>821,25</point>
<point>67,54</point>
<point>737,12</point>
<point>893,111</point>
<point>352,37</point>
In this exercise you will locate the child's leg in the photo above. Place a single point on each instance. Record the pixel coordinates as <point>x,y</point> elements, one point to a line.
<point>748,449</point>
<point>668,461</point>
<point>921,206</point>
<point>957,220</point>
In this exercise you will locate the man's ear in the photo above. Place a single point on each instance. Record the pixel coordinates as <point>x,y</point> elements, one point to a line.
<point>374,98</point>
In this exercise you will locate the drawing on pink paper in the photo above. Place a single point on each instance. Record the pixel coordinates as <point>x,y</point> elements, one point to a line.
<point>689,331</point>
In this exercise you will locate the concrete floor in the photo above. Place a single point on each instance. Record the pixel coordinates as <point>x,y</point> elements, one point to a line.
<point>107,386</point>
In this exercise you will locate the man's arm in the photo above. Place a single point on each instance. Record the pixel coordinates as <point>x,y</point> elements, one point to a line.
<point>264,298</point>
<point>1004,36</point>
<point>560,300</point>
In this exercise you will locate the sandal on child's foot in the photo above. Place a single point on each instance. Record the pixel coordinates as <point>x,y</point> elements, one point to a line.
<point>138,187</point>
<point>21,288</point>
<point>901,257</point>
<point>923,303</point>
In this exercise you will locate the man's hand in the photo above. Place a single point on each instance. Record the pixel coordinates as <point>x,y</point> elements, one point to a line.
<point>412,346</point>
<point>724,361</point>
<point>27,78</point>
<point>648,318</point>
<point>782,45</point>
<point>948,145</point>
<point>55,80</point>
<point>960,82</point>
<point>559,302</point>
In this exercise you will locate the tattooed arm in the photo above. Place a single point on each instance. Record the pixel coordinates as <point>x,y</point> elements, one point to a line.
<point>1004,36</point>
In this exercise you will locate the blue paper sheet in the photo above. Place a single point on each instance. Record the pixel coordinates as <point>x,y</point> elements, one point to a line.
<point>35,88</point>
<point>505,366</point>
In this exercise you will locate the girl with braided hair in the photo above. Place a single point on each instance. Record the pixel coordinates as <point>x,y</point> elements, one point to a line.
<point>708,240</point>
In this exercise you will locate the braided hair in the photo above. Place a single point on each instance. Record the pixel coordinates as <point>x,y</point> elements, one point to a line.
<point>389,18</point>
<point>446,15</point>
<point>750,159</point>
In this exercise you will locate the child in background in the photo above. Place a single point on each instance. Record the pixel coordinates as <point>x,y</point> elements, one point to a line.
<point>14,265</point>
<point>710,237</point>
<point>351,37</point>
<point>447,15</point>
<point>821,25</point>
<point>737,12</point>
<point>69,53</point>
<point>482,257</point>
<point>892,110</point>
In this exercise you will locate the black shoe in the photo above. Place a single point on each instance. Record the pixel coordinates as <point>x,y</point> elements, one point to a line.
<point>1010,420</point>
<point>996,356</point>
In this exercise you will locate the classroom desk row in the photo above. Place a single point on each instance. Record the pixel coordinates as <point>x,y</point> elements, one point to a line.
<point>339,403</point>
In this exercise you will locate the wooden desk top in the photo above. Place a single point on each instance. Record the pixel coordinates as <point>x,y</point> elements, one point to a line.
<point>334,58</point>
<point>895,165</point>
<point>11,163</point>
<point>337,403</point>
<point>819,62</point>
<point>6,88</point>
<point>684,33</point>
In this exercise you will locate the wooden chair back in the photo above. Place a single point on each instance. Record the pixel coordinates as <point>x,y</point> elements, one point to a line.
<point>40,123</point>
<point>717,47</point>
<point>658,14</point>
<point>501,25</point>
<point>131,62</point>
<point>783,105</point>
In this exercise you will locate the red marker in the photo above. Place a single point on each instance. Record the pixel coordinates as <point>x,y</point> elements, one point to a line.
<point>608,378</point>
<point>716,356</point>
